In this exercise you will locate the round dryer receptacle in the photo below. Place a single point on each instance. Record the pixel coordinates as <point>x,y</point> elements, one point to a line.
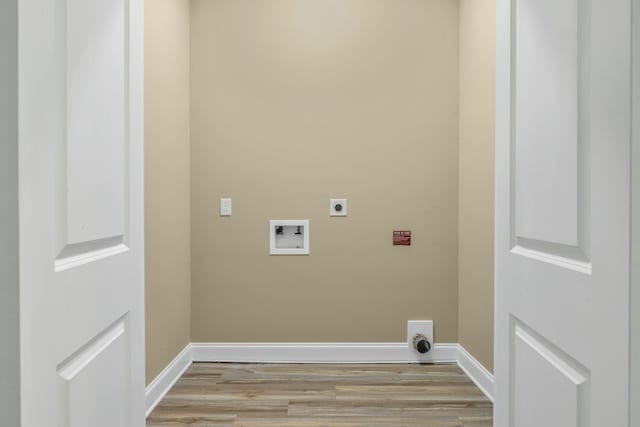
<point>421,344</point>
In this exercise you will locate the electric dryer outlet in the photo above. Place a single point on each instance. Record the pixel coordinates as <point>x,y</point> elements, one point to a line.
<point>420,327</point>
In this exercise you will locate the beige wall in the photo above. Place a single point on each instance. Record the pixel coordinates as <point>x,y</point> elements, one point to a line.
<point>167,175</point>
<point>477,76</point>
<point>294,102</point>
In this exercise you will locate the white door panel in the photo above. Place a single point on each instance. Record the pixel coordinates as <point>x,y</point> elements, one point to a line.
<point>92,178</point>
<point>81,199</point>
<point>546,114</point>
<point>538,368</point>
<point>563,213</point>
<point>96,110</point>
<point>91,398</point>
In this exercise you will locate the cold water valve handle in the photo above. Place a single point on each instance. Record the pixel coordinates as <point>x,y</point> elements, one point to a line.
<point>421,344</point>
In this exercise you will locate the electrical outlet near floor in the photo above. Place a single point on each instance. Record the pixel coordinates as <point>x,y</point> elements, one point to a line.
<point>420,327</point>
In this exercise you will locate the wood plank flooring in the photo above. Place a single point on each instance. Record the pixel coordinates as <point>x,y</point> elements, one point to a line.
<point>285,395</point>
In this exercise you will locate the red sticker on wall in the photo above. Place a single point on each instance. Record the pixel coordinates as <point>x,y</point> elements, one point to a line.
<point>401,238</point>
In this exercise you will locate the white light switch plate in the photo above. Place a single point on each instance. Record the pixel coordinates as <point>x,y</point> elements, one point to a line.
<point>225,207</point>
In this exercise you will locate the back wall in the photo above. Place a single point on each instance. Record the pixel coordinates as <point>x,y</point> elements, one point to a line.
<point>294,102</point>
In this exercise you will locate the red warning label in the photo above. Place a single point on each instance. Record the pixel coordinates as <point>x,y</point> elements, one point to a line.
<point>401,238</point>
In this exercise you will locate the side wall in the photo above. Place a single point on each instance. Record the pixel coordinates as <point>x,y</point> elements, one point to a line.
<point>476,190</point>
<point>295,102</point>
<point>9,285</point>
<point>167,186</point>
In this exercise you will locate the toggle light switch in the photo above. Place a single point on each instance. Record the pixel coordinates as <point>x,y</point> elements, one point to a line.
<point>225,207</point>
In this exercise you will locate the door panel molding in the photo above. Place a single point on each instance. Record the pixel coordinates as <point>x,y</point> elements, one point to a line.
<point>569,257</point>
<point>93,162</point>
<point>550,203</point>
<point>79,254</point>
<point>75,363</point>
<point>573,379</point>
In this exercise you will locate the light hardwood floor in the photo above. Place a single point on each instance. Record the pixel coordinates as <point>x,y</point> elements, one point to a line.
<point>274,395</point>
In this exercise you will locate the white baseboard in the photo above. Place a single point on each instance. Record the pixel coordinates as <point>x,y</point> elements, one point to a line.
<point>314,353</point>
<point>320,353</point>
<point>159,387</point>
<point>476,371</point>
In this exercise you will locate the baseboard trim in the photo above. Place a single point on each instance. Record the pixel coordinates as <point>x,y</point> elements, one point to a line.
<point>314,353</point>
<point>476,371</point>
<point>161,385</point>
<point>320,353</point>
